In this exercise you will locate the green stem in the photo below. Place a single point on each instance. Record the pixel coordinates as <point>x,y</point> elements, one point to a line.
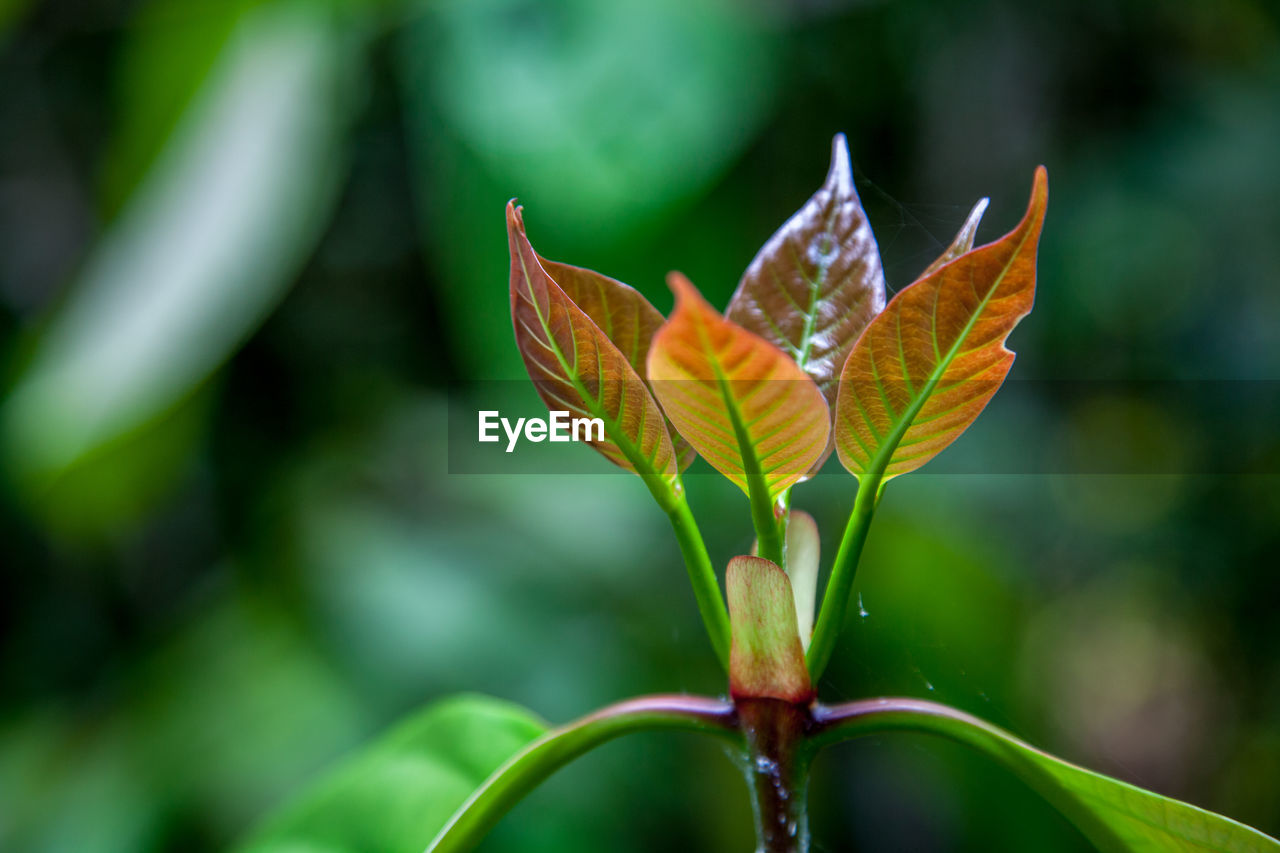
<point>702,576</point>
<point>768,528</point>
<point>529,767</point>
<point>835,599</point>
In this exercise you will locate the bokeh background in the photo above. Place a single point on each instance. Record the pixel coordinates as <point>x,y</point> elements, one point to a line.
<point>252,252</point>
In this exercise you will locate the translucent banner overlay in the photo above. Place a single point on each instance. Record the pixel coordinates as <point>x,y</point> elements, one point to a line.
<point>1034,427</point>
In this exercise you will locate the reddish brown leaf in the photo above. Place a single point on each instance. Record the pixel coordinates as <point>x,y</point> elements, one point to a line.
<point>766,660</point>
<point>576,368</point>
<point>741,402</point>
<point>620,310</point>
<point>927,365</point>
<point>817,282</point>
<point>623,314</point>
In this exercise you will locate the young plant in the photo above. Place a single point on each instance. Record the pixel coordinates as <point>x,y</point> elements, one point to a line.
<point>807,359</point>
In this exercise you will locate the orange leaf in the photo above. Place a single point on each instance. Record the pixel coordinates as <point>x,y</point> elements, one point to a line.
<point>927,365</point>
<point>741,402</point>
<point>766,660</point>
<point>576,368</point>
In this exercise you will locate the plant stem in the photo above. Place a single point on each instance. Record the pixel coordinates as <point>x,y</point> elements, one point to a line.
<point>777,771</point>
<point>835,600</point>
<point>702,576</point>
<point>530,766</point>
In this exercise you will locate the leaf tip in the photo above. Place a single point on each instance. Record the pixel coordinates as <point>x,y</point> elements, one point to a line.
<point>684,290</point>
<point>979,210</point>
<point>515,219</point>
<point>840,173</point>
<point>1040,186</point>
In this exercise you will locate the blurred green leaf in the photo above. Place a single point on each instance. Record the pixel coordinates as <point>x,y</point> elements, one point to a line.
<point>599,113</point>
<point>172,47</point>
<point>205,247</point>
<point>10,12</point>
<point>1114,815</point>
<point>397,794</point>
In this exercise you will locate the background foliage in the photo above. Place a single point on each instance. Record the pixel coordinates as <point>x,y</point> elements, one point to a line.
<point>250,251</point>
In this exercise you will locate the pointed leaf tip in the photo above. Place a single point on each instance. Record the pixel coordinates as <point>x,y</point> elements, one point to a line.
<point>964,238</point>
<point>766,660</point>
<point>740,401</point>
<point>840,173</point>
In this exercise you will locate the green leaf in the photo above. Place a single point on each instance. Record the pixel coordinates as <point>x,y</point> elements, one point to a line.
<point>928,364</point>
<point>1114,815</point>
<point>217,231</point>
<point>169,51</point>
<point>818,281</point>
<point>766,660</point>
<point>396,794</point>
<point>603,115</point>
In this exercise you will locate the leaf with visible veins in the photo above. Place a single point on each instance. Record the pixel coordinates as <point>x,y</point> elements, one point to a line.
<point>740,401</point>
<point>623,314</point>
<point>817,282</point>
<point>928,364</point>
<point>575,367</point>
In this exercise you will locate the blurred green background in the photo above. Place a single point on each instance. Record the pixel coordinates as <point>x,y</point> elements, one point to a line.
<point>251,249</point>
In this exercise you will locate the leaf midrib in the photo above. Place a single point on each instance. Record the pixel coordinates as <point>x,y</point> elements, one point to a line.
<point>815,290</point>
<point>746,448</point>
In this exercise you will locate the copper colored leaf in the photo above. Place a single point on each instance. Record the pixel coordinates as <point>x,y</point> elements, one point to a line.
<point>765,659</point>
<point>576,368</point>
<point>963,241</point>
<point>741,402</point>
<point>927,365</point>
<point>623,314</point>
<point>817,282</point>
